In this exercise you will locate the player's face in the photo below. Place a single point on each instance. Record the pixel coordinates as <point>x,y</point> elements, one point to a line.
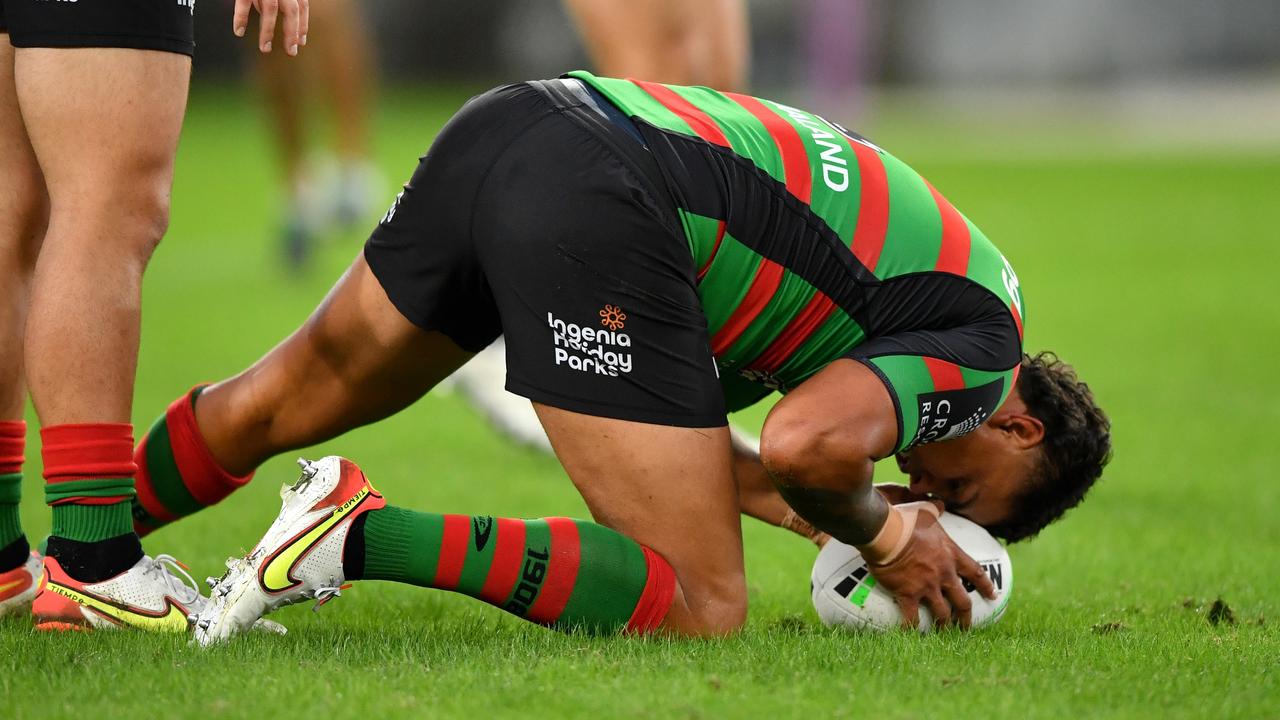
<point>977,476</point>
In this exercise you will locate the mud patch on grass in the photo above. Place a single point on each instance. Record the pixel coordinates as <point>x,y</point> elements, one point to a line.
<point>1220,613</point>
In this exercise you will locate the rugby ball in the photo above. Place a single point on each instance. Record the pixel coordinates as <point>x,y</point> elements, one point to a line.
<point>846,594</point>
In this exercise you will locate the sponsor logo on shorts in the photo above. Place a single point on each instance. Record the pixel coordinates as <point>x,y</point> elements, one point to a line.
<point>585,348</point>
<point>612,317</point>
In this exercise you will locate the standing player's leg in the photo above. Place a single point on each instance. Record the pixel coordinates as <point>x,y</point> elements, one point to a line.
<point>349,72</point>
<point>643,40</point>
<point>104,125</point>
<point>23,214</point>
<point>355,361</point>
<point>671,41</point>
<point>719,43</point>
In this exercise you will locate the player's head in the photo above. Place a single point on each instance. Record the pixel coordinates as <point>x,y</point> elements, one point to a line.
<point>1034,458</point>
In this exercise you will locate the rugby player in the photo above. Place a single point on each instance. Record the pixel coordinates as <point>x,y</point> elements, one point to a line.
<point>92,96</point>
<point>655,256</point>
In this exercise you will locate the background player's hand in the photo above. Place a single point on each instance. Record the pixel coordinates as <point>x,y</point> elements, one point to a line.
<point>927,567</point>
<point>296,16</point>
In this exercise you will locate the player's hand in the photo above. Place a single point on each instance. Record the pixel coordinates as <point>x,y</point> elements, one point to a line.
<point>924,566</point>
<point>296,14</point>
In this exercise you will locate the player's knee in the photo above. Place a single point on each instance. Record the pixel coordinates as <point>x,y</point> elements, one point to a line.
<point>148,219</point>
<point>128,213</point>
<point>719,610</point>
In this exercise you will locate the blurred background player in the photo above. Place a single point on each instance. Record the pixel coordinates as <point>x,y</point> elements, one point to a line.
<point>92,98</point>
<point>670,41</point>
<point>337,187</point>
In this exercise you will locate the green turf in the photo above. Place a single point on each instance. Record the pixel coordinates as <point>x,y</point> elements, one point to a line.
<point>1153,274</point>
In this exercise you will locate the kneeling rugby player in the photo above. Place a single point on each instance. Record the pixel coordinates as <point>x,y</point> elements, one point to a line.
<point>656,256</point>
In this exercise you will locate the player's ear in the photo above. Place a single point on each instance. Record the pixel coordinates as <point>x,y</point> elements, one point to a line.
<point>1023,430</point>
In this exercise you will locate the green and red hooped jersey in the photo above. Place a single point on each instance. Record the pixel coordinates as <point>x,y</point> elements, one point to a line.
<point>812,244</point>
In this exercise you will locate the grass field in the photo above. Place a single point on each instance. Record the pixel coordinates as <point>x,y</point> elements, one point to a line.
<point>1154,274</point>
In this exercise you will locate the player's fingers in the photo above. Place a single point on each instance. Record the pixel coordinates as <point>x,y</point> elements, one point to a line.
<point>289,9</point>
<point>970,570</point>
<point>940,608</point>
<point>910,608</point>
<point>961,605</point>
<point>304,20</point>
<point>268,9</point>
<point>240,17</point>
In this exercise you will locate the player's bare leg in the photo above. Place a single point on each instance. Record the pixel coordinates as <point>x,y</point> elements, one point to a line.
<point>721,48</point>
<point>670,489</point>
<point>24,211</point>
<point>339,70</point>
<point>103,124</point>
<point>355,361</point>
<point>671,41</point>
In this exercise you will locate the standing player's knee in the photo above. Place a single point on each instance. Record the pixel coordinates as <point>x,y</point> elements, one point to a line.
<point>146,218</point>
<point>128,211</point>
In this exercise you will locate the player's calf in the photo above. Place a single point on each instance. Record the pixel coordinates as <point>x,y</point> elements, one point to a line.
<point>177,473</point>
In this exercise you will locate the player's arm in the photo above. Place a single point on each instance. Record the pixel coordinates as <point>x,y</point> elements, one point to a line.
<point>819,446</point>
<point>759,497</point>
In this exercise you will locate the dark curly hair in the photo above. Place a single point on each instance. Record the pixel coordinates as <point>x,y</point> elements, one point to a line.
<point>1076,445</point>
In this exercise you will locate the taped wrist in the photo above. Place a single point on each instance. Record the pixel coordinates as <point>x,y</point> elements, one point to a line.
<point>798,525</point>
<point>895,535</point>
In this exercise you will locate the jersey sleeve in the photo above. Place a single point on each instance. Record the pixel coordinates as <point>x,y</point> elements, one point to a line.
<point>934,398</point>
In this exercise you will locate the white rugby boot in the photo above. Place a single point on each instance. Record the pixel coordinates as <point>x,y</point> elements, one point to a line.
<point>300,557</point>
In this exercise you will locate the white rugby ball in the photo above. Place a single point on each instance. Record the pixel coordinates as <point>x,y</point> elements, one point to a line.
<point>845,593</point>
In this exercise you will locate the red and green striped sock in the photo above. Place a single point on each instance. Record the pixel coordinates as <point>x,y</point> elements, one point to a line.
<point>177,474</point>
<point>558,572</point>
<point>13,544</point>
<point>88,471</point>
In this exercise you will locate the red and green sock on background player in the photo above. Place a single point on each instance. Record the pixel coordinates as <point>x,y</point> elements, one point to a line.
<point>89,482</point>
<point>557,572</point>
<point>13,543</point>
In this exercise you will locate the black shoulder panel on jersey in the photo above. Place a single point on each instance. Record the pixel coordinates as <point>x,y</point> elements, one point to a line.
<point>759,212</point>
<point>943,316</point>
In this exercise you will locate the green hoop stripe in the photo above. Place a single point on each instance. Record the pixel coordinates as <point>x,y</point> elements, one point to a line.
<point>10,488</point>
<point>91,523</point>
<point>162,468</point>
<point>106,487</point>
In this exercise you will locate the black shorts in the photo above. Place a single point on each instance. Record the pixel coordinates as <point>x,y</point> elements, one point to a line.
<point>535,218</point>
<point>142,24</point>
